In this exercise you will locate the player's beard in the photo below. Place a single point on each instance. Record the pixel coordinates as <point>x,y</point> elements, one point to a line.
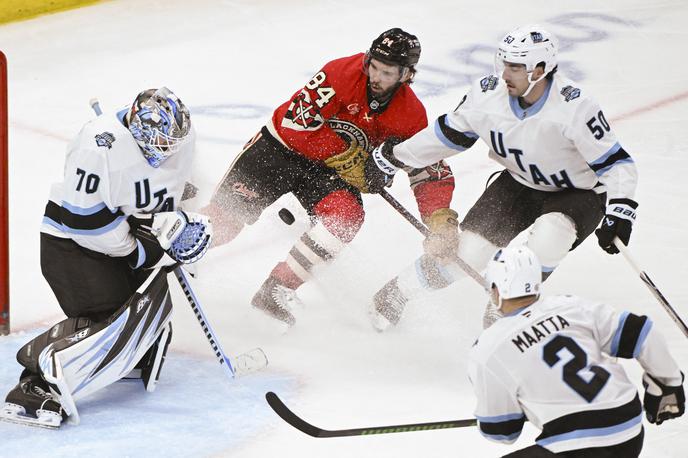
<point>380,94</point>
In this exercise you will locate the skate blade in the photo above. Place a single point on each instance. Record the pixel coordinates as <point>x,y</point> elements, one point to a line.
<point>249,362</point>
<point>12,417</point>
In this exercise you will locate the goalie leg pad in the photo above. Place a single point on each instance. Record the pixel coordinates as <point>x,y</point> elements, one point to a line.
<point>27,356</point>
<point>97,356</point>
<point>551,237</point>
<point>154,359</point>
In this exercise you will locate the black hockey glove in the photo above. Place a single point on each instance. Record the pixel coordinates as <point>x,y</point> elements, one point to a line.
<point>617,222</point>
<point>381,166</point>
<point>662,402</point>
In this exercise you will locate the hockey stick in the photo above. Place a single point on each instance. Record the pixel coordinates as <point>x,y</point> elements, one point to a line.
<point>470,271</point>
<point>250,361</point>
<point>294,420</point>
<point>651,286</point>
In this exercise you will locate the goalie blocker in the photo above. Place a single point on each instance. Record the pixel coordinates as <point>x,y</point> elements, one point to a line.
<point>78,357</point>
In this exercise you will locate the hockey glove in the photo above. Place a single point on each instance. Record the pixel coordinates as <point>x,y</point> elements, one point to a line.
<point>381,166</point>
<point>662,402</point>
<point>443,240</point>
<point>350,165</point>
<point>184,236</point>
<point>617,222</point>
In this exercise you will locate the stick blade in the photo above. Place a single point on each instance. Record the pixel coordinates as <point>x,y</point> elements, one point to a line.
<point>290,417</point>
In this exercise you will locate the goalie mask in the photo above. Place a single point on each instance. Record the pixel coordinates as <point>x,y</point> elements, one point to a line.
<point>160,124</point>
<point>515,272</point>
<point>529,45</point>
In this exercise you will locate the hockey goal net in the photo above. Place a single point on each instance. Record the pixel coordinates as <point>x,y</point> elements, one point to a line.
<point>4,204</point>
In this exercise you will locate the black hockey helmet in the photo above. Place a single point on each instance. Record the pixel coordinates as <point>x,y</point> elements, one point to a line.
<point>396,47</point>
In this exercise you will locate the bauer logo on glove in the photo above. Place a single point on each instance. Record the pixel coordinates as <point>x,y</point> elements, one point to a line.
<point>184,236</point>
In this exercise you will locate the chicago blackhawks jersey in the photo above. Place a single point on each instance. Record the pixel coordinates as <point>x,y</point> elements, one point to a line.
<point>552,364</point>
<point>562,141</point>
<point>334,109</point>
<point>107,179</point>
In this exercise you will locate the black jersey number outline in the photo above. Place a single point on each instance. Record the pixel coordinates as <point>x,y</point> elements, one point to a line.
<point>587,390</point>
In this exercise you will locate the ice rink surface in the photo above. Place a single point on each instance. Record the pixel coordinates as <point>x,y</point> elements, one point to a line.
<point>232,62</point>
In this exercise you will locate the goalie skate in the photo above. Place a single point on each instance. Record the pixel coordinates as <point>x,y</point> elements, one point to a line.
<point>31,403</point>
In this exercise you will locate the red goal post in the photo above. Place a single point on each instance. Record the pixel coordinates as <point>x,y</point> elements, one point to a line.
<point>4,204</point>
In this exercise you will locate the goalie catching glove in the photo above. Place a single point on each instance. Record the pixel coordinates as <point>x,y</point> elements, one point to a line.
<point>443,240</point>
<point>662,402</point>
<point>185,236</point>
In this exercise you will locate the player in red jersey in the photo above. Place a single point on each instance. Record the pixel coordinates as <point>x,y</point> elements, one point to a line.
<point>315,147</point>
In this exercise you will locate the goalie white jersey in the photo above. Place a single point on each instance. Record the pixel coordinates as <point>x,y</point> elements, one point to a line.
<point>553,364</point>
<point>562,141</point>
<point>106,179</point>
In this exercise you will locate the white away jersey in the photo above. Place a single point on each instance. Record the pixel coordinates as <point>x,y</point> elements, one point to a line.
<point>562,141</point>
<point>552,364</point>
<point>106,179</point>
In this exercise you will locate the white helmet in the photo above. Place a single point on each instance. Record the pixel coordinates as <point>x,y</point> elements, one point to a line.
<point>528,45</point>
<point>515,272</point>
<point>160,124</point>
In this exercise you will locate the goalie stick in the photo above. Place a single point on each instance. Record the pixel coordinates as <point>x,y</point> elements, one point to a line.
<point>250,361</point>
<point>297,422</point>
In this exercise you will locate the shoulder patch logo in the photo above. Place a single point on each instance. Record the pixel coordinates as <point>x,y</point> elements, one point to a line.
<point>570,93</point>
<point>105,139</point>
<point>489,83</point>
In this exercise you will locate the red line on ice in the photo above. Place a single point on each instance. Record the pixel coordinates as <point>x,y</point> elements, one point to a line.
<point>653,106</point>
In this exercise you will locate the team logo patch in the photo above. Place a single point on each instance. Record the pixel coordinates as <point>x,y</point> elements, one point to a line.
<point>350,132</point>
<point>488,83</point>
<point>570,93</point>
<point>302,114</point>
<point>536,37</point>
<point>105,139</point>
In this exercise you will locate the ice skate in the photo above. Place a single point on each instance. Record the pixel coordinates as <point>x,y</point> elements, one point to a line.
<point>388,305</point>
<point>276,300</point>
<point>31,403</point>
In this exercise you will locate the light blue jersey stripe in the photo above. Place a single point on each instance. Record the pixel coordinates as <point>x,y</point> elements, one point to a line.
<point>83,211</point>
<point>101,230</point>
<point>501,437</point>
<point>593,432</point>
<point>448,143</point>
<point>617,334</point>
<point>500,418</point>
<point>641,338</point>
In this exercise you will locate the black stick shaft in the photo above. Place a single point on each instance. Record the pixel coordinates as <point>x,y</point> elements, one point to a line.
<point>651,286</point>
<point>471,272</point>
<point>297,422</point>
